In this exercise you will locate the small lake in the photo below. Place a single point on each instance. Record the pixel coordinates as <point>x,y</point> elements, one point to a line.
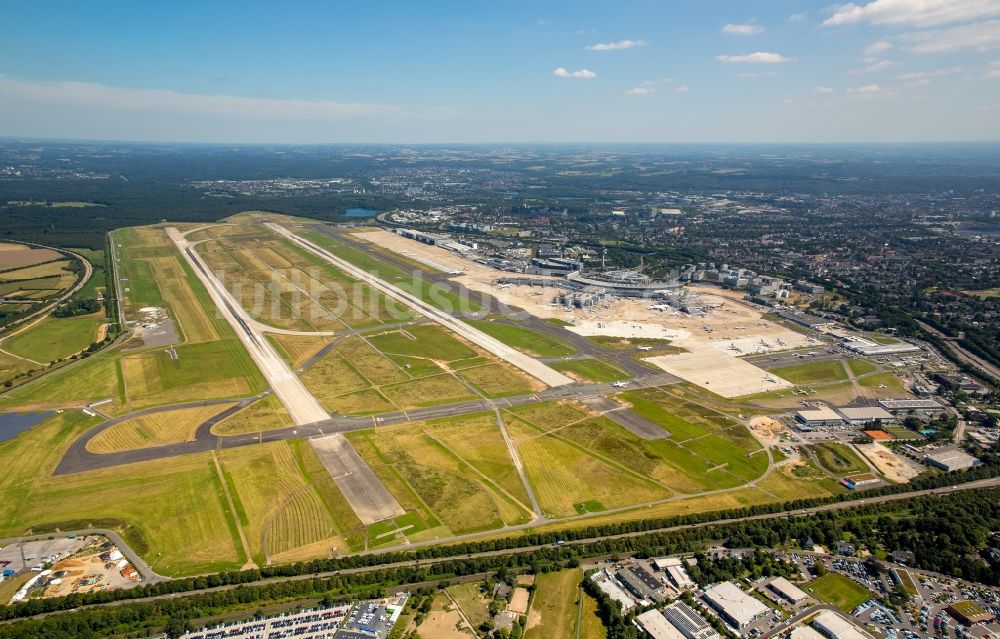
<point>13,424</point>
<point>361,212</point>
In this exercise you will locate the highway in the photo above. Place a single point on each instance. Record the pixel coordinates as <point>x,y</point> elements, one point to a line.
<point>301,405</point>
<point>528,364</point>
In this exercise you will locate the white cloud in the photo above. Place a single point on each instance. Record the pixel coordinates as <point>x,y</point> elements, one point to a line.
<point>757,57</point>
<point>993,69</point>
<point>584,74</point>
<point>981,36</point>
<point>935,73</point>
<point>874,65</point>
<point>758,74</point>
<point>798,17</point>
<point>617,45</point>
<point>921,13</point>
<point>868,89</point>
<point>824,90</point>
<point>647,87</point>
<point>878,47</point>
<point>742,29</point>
<point>682,89</point>
<point>104,97</point>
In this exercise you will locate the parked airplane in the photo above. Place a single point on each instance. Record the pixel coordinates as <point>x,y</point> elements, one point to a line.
<point>645,348</point>
<point>621,384</point>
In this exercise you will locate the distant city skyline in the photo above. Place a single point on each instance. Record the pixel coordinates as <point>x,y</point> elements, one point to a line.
<point>790,71</point>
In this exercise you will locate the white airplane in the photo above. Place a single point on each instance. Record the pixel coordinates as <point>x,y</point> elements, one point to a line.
<point>659,307</point>
<point>781,342</point>
<point>645,348</point>
<point>621,384</point>
<point>505,285</point>
<point>764,344</point>
<point>769,378</point>
<point>734,347</point>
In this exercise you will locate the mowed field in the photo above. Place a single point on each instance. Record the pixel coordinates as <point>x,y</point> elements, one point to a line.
<point>840,459</point>
<point>421,365</point>
<point>555,608</point>
<point>830,370</point>
<point>454,475</point>
<point>55,338</point>
<point>524,339</point>
<point>267,413</point>
<point>838,590</point>
<point>168,427</point>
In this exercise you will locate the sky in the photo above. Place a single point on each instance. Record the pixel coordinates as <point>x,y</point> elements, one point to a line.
<point>661,71</point>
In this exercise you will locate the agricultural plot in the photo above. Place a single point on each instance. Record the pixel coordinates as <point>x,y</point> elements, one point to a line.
<point>55,338</point>
<point>838,590</point>
<point>153,430</point>
<point>209,370</point>
<point>171,510</point>
<point>524,339</point>
<point>555,606</point>
<point>264,414</point>
<point>56,268</point>
<point>591,370</point>
<point>839,459</point>
<point>13,255</point>
<point>813,372</point>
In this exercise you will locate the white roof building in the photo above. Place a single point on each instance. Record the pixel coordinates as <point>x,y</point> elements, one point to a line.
<point>788,590</point>
<point>804,632</point>
<point>835,626</point>
<point>680,577</point>
<point>736,606</point>
<point>613,590</point>
<point>822,416</point>
<point>859,416</point>
<point>654,623</point>
<point>691,624</point>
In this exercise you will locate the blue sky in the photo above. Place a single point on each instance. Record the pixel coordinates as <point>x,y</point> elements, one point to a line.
<point>600,71</point>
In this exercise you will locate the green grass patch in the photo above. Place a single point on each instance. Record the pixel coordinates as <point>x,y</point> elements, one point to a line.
<point>590,369</point>
<point>55,337</point>
<point>839,591</point>
<point>821,371</point>
<point>861,367</point>
<point>426,341</point>
<point>524,339</point>
<point>839,459</point>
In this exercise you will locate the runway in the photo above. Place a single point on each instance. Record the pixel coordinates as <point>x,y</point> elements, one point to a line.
<point>301,405</point>
<point>528,364</point>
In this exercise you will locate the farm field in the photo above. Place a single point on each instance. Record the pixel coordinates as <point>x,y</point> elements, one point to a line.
<point>171,511</point>
<point>592,370</point>
<point>523,339</point>
<point>813,372</point>
<point>555,606</point>
<point>838,590</point>
<point>839,458</point>
<point>153,430</point>
<point>14,255</point>
<point>90,380</point>
<point>55,338</point>
<point>56,268</point>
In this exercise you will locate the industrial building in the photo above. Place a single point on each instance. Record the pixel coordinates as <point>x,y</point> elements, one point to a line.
<point>691,624</point>
<point>674,568</point>
<point>869,348</point>
<point>804,632</point>
<point>897,406</point>
<point>804,319</point>
<point>657,626</point>
<point>735,606</point>
<point>817,417</point>
<point>787,590</point>
<point>865,415</point>
<point>834,626</point>
<point>949,459</point>
<point>609,587</point>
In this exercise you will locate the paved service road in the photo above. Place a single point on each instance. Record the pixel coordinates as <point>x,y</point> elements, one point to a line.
<point>301,405</point>
<point>529,365</point>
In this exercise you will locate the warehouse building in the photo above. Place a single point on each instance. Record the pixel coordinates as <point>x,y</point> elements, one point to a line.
<point>865,415</point>
<point>657,626</point>
<point>869,348</point>
<point>788,591</point>
<point>834,626</point>
<point>735,606</point>
<point>897,406</point>
<point>818,417</point>
<point>949,459</point>
<point>804,632</point>
<point>691,624</point>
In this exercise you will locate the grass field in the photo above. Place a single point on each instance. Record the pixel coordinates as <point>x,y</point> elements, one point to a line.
<point>555,606</point>
<point>893,387</point>
<point>829,370</point>
<point>839,459</point>
<point>55,337</point>
<point>153,430</point>
<point>92,379</point>
<point>839,591</point>
<point>591,626</point>
<point>500,380</point>
<point>861,366</point>
<point>592,370</point>
<point>296,349</point>
<point>425,340</point>
<point>208,370</point>
<point>524,339</point>
<point>470,599</point>
<point>170,511</point>
<point>264,414</point>
<point>96,284</point>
